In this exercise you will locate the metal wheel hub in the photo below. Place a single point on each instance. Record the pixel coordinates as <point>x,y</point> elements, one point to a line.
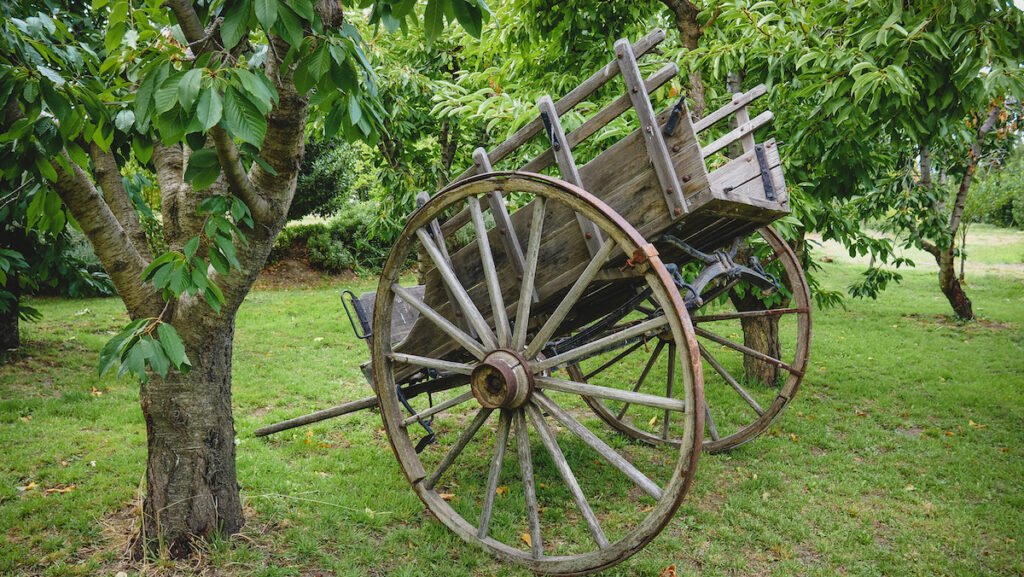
<point>502,380</point>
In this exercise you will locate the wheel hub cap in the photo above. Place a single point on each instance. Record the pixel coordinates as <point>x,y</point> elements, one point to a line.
<point>502,380</point>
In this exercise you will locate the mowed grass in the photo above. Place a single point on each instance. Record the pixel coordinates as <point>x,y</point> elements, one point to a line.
<point>902,455</point>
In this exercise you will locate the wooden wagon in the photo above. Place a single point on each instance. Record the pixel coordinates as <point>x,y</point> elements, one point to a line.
<point>591,325</point>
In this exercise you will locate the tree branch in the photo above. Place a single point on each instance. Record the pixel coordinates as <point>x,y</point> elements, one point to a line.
<point>977,147</point>
<point>109,240</point>
<point>108,175</point>
<point>237,179</point>
<point>169,162</point>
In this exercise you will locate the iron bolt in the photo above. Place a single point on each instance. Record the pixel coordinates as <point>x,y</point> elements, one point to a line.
<point>678,211</point>
<point>686,178</point>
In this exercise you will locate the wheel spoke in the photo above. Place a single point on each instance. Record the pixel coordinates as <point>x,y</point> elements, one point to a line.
<point>491,275</point>
<point>439,364</point>
<point>747,314</point>
<point>595,443</point>
<point>601,344</point>
<point>711,422</point>
<point>746,350</point>
<point>643,375</point>
<point>438,408</point>
<point>669,382</point>
<point>548,438</point>
<point>457,449</point>
<point>614,360</point>
<point>529,488</point>
<point>730,379</point>
<point>457,334</point>
<point>494,475</point>
<point>476,320</point>
<point>587,390</point>
<point>570,299</point>
<point>526,289</point>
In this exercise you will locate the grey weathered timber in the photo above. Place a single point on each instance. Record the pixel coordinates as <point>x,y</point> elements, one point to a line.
<point>427,413</point>
<point>567,167</point>
<point>529,487</point>
<point>602,118</point>
<point>647,327</point>
<point>569,101</point>
<point>594,442</point>
<point>337,411</point>
<point>458,447</point>
<point>634,398</point>
<point>500,318</point>
<point>494,473</point>
<point>528,287</point>
<point>657,150</point>
<point>439,364</point>
<point>739,100</point>
<point>745,129</point>
<point>502,221</point>
<point>730,379</point>
<point>551,444</point>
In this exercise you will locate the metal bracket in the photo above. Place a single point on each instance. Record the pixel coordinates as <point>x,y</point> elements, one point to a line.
<point>719,263</point>
<point>364,322</point>
<point>430,437</point>
<point>766,173</point>
<point>555,144</point>
<point>674,116</point>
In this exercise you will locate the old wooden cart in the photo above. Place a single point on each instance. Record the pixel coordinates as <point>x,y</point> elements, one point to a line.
<point>581,325</point>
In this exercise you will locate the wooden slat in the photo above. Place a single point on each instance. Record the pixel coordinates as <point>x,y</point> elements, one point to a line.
<point>657,150</point>
<point>502,220</point>
<point>457,448</point>
<point>570,173</point>
<point>569,101</point>
<point>602,118</point>
<point>572,387</point>
<point>738,132</point>
<point>738,101</point>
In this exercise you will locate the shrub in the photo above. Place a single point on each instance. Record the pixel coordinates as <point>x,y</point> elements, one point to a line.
<point>325,179</point>
<point>327,254</point>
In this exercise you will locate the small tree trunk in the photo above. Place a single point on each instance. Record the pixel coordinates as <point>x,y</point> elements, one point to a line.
<point>762,335</point>
<point>10,339</point>
<point>192,491</point>
<point>951,287</point>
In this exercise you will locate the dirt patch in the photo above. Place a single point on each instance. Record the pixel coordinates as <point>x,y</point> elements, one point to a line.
<point>295,272</point>
<point>911,432</point>
<point>976,326</point>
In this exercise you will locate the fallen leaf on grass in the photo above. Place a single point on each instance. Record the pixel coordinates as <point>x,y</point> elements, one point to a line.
<point>950,433</point>
<point>96,392</point>
<point>502,490</point>
<point>67,489</point>
<point>975,425</point>
<point>526,539</point>
<point>794,438</point>
<point>910,488</point>
<point>29,487</point>
<point>669,571</point>
<point>446,496</point>
<point>653,421</point>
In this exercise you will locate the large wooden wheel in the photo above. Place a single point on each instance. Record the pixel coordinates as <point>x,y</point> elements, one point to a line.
<point>520,465</point>
<point>747,384</point>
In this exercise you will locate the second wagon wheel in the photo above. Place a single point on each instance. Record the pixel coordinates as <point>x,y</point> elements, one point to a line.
<point>749,380</point>
<point>520,465</point>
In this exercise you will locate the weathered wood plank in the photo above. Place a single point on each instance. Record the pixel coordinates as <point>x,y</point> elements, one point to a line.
<point>738,132</point>
<point>569,101</point>
<point>739,100</point>
<point>657,150</point>
<point>567,167</point>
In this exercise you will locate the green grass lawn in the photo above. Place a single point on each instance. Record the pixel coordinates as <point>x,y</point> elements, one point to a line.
<point>902,455</point>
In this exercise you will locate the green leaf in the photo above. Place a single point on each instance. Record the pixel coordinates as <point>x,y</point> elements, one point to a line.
<point>469,16</point>
<point>52,75</point>
<point>166,96</point>
<point>124,120</point>
<point>203,168</point>
<point>228,249</point>
<point>355,113</point>
<point>158,262</point>
<point>266,13</point>
<point>242,119</point>
<point>173,346</point>
<point>209,109</point>
<point>136,361</point>
<point>45,169</point>
<point>214,297</point>
<point>220,264</point>
<point>289,26</point>
<point>191,247</point>
<point>142,146</point>
<point>157,358</point>
<point>188,87</point>
<point>236,23</point>
<point>433,21</point>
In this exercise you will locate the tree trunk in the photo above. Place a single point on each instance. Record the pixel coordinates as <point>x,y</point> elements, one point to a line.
<point>192,492</point>
<point>10,338</point>
<point>762,335</point>
<point>690,32</point>
<point>951,287</point>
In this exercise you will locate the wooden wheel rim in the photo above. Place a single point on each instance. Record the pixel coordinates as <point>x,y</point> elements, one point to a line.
<point>630,241</point>
<point>797,283</point>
